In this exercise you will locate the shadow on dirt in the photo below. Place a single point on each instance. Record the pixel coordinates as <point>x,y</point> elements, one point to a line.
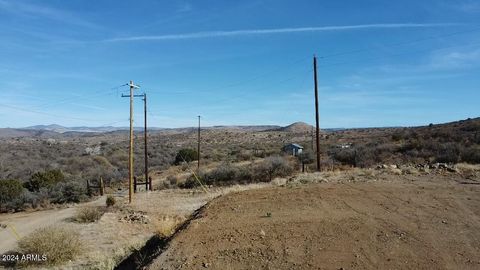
<point>141,258</point>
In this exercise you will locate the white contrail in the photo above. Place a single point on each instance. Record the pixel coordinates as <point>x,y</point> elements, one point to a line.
<point>212,34</point>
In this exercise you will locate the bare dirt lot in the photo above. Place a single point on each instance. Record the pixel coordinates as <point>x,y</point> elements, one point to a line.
<point>113,237</point>
<point>402,222</point>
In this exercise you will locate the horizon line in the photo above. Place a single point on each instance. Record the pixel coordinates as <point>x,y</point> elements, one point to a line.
<point>252,125</point>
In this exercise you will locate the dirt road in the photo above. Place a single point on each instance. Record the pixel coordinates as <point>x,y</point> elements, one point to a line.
<point>24,223</point>
<point>375,225</point>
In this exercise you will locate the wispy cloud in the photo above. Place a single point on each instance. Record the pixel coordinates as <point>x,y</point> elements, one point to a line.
<point>455,59</point>
<point>31,10</point>
<point>214,34</point>
<point>469,6</point>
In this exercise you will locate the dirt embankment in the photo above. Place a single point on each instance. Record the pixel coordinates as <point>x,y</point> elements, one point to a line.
<point>376,225</point>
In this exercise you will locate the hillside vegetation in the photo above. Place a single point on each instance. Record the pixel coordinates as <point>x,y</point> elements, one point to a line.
<point>38,170</point>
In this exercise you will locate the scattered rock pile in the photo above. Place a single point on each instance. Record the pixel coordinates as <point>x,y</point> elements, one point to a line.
<point>136,217</point>
<point>426,168</point>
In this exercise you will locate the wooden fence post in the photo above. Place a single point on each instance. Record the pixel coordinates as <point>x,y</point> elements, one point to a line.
<point>102,187</point>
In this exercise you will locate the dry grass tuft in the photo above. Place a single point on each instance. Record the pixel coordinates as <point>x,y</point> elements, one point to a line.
<point>411,170</point>
<point>88,214</point>
<point>469,171</point>
<point>306,178</point>
<point>167,225</point>
<point>59,244</point>
<point>368,173</point>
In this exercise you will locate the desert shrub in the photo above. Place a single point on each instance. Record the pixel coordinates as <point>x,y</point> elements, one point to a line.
<point>88,214</point>
<point>190,182</point>
<point>186,155</point>
<point>34,199</point>
<point>382,151</point>
<point>272,167</point>
<point>59,244</point>
<point>110,201</point>
<point>259,153</point>
<point>221,174</point>
<point>471,155</point>
<point>306,157</point>
<point>9,190</point>
<point>244,174</point>
<point>172,179</point>
<point>244,155</point>
<point>68,192</point>
<point>165,185</point>
<point>397,136</point>
<point>102,161</point>
<point>44,179</point>
<point>224,174</point>
<point>117,157</point>
<point>449,153</point>
<point>410,145</point>
<point>364,156</point>
<point>346,156</point>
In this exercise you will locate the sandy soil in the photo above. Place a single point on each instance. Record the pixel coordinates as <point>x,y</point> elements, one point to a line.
<point>400,222</point>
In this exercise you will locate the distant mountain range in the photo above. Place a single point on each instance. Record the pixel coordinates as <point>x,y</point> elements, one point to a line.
<point>62,129</point>
<point>54,130</point>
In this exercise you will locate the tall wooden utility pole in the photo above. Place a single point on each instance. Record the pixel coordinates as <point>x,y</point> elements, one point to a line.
<point>130,150</point>
<point>198,146</point>
<point>312,136</point>
<point>147,181</point>
<point>316,111</point>
<point>135,182</point>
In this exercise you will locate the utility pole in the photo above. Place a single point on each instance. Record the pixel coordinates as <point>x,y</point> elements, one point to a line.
<point>130,152</point>
<point>312,136</point>
<point>316,111</point>
<point>198,146</point>
<point>147,182</point>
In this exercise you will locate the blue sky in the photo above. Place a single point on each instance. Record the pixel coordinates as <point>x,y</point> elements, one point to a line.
<point>381,63</point>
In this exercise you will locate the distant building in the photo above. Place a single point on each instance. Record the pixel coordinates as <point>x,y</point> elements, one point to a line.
<point>344,145</point>
<point>293,149</point>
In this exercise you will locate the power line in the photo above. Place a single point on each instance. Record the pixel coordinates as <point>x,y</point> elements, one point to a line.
<point>246,94</point>
<point>67,100</point>
<point>47,114</point>
<point>256,77</point>
<point>396,54</point>
<point>398,44</point>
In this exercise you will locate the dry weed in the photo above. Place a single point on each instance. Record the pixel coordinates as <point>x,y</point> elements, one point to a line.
<point>469,171</point>
<point>88,214</point>
<point>411,170</point>
<point>167,225</point>
<point>58,244</point>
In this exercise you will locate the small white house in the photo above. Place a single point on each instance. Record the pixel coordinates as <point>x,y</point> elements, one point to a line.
<point>293,149</point>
